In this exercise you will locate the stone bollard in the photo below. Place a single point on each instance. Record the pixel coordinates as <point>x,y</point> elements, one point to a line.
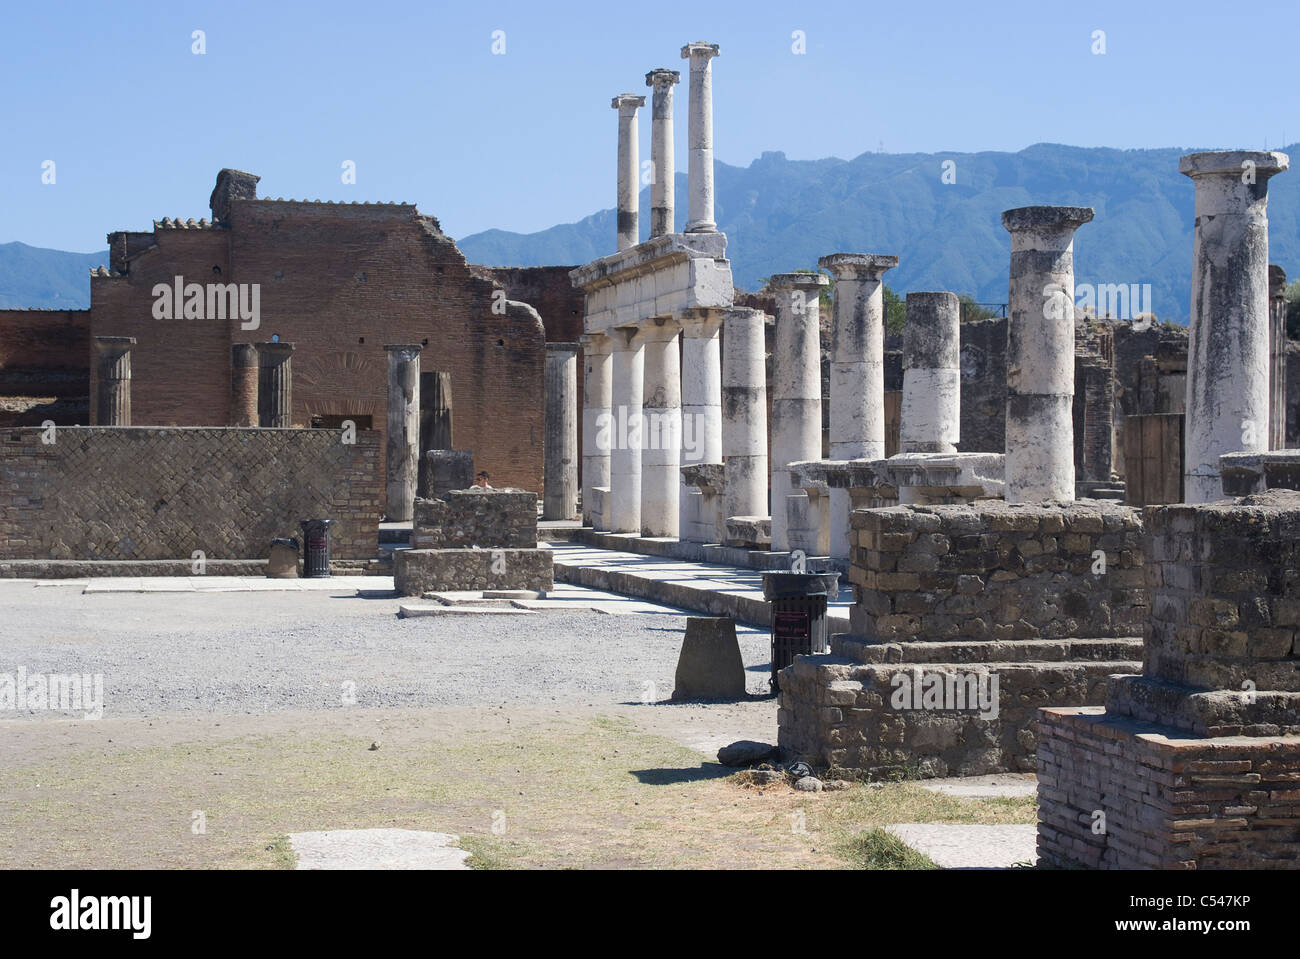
<point>710,666</point>
<point>283,561</point>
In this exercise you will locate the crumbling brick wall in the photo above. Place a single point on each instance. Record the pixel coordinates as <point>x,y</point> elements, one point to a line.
<point>142,493</point>
<point>44,372</point>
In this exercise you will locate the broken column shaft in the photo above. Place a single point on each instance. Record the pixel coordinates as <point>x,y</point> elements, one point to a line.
<point>402,431</point>
<point>597,361</point>
<point>243,385</point>
<point>701,379</point>
<point>275,385</point>
<point>113,380</point>
<point>744,414</point>
<point>1277,358</point>
<point>931,412</point>
<point>560,496</point>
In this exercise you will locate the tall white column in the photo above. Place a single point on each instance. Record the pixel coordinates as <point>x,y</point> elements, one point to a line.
<point>701,400</point>
<point>628,168</point>
<point>1040,353</point>
<point>796,390</point>
<point>1227,353</point>
<point>931,414</point>
<point>663,189</point>
<point>700,136</point>
<point>597,361</point>
<point>625,430</point>
<point>560,448</point>
<point>744,414</point>
<point>661,428</point>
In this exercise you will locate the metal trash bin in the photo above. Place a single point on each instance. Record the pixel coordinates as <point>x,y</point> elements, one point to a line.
<point>799,626</point>
<point>316,548</point>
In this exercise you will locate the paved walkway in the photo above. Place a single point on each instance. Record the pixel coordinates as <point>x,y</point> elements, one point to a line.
<point>959,846</point>
<point>701,587</point>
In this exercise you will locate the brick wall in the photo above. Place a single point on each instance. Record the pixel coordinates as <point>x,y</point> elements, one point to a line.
<point>43,367</point>
<point>139,493</point>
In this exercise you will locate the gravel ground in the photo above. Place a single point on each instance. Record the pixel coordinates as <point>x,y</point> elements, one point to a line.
<point>253,653</point>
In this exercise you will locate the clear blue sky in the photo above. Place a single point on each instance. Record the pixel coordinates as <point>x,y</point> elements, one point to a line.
<point>138,125</point>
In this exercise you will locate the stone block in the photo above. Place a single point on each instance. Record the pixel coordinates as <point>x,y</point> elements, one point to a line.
<point>709,665</point>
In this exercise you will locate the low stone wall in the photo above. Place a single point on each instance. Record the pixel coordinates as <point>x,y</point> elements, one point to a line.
<point>154,493</point>
<point>463,519</point>
<point>417,571</point>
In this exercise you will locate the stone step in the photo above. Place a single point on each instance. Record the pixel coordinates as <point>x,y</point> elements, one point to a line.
<point>990,651</point>
<point>409,611</point>
<point>467,602</point>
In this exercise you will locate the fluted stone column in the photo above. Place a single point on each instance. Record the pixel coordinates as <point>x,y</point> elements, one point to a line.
<point>701,404</point>
<point>744,414</point>
<point>560,497</point>
<point>598,361</point>
<point>1040,353</point>
<point>1276,357</point>
<point>629,171</point>
<point>931,413</point>
<point>113,376</point>
<point>402,433</point>
<point>243,385</point>
<point>1227,353</point>
<point>796,392</point>
<point>661,428</point>
<point>624,429</point>
<point>663,189</point>
<point>275,385</point>
<point>700,136</point>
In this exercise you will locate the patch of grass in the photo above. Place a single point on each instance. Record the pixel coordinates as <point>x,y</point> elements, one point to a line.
<point>282,854</point>
<point>878,849</point>
<point>485,853</point>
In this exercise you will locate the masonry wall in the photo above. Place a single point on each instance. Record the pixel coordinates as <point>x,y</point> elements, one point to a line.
<point>44,372</point>
<point>476,518</point>
<point>141,493</point>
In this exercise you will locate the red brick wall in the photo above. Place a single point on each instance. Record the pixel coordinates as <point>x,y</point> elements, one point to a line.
<point>43,372</point>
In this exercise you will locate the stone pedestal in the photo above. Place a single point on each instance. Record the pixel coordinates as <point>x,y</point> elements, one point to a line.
<point>402,434</point>
<point>661,428</point>
<point>113,380</point>
<point>1040,353</point>
<point>663,188</point>
<point>243,385</point>
<point>560,496</point>
<point>1227,353</point>
<point>700,136</point>
<point>275,385</point>
<point>629,172</point>
<point>624,428</point>
<point>701,380</point>
<point>598,362</point>
<point>744,415</point>
<point>796,395</point>
<point>709,666</point>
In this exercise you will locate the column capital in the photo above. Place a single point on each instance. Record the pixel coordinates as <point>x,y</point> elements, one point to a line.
<point>797,281</point>
<point>1261,163</point>
<point>114,344</point>
<point>700,51</point>
<point>1276,281</point>
<point>562,347</point>
<point>661,78</point>
<point>275,347</point>
<point>659,329</point>
<point>413,348</point>
<point>627,103</point>
<point>597,342</point>
<point>1046,219</point>
<point>700,322</point>
<point>858,266</point>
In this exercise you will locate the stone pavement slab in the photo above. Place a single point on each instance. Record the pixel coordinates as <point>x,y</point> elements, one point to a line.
<point>992,786</point>
<point>961,846</point>
<point>378,849</point>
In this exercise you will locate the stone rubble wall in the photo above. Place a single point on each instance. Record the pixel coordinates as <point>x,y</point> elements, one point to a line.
<point>417,571</point>
<point>482,518</point>
<point>157,493</point>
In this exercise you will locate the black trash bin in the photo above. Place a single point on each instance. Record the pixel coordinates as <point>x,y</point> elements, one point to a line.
<point>798,614</point>
<point>316,548</point>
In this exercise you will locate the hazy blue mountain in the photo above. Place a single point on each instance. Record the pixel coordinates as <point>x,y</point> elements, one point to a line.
<point>32,277</point>
<point>781,215</point>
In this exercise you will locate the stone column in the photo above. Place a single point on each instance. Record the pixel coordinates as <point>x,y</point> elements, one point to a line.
<point>243,385</point>
<point>796,390</point>
<point>402,431</point>
<point>624,429</point>
<point>931,413</point>
<point>560,497</point>
<point>113,376</point>
<point>701,437</point>
<point>1040,353</point>
<point>1227,352</point>
<point>744,414</point>
<point>663,189</point>
<point>1276,358</point>
<point>629,172</point>
<point>661,428</point>
<point>700,136</point>
<point>597,368</point>
<point>275,385</point>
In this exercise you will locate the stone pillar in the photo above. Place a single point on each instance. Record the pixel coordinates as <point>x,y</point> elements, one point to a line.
<point>624,429</point>
<point>113,376</point>
<point>597,361</point>
<point>275,385</point>
<point>243,385</point>
<point>1227,352</point>
<point>1040,353</point>
<point>1276,358</point>
<point>744,414</point>
<point>796,391</point>
<point>701,437</point>
<point>662,189</point>
<point>435,421</point>
<point>560,497</point>
<point>402,432</point>
<point>629,172</point>
<point>931,413</point>
<point>661,428</point>
<point>700,136</point>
